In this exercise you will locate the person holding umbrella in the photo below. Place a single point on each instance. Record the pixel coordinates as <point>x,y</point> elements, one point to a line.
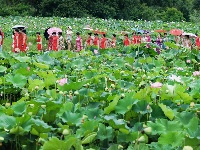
<point>96,40</point>
<point>15,45</point>
<point>89,40</point>
<point>55,41</point>
<point>22,41</point>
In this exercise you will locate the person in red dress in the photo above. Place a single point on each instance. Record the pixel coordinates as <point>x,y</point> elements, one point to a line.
<point>113,42</point>
<point>138,38</point>
<point>96,40</point>
<point>55,41</point>
<point>89,40</point>
<point>126,40</point>
<point>197,42</point>
<point>22,41</point>
<point>103,42</point>
<point>50,42</point>
<point>39,41</point>
<point>134,38</point>
<point>15,45</point>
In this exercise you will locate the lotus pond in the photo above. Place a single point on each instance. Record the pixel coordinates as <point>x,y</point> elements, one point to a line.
<point>129,98</point>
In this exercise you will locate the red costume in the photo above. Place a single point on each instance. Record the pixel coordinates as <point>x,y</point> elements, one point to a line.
<point>95,41</point>
<point>139,38</point>
<point>55,43</point>
<point>198,42</point>
<point>103,43</point>
<point>89,41</point>
<point>22,42</point>
<point>50,42</point>
<point>15,42</point>
<point>126,41</point>
<point>134,39</point>
<point>39,42</point>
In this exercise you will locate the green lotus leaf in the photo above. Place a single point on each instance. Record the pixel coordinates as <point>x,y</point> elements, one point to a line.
<point>125,104</point>
<point>17,80</point>
<point>7,121</point>
<point>41,65</point>
<point>104,132</point>
<point>72,118</point>
<point>55,143</point>
<point>35,84</point>
<point>167,111</point>
<point>112,105</point>
<point>23,58</point>
<point>40,126</point>
<point>3,69</point>
<point>89,138</point>
<point>46,59</point>
<point>172,138</point>
<point>87,127</point>
<point>19,107</point>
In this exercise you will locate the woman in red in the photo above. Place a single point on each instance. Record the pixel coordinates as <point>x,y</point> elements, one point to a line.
<point>138,38</point>
<point>103,43</point>
<point>134,38</point>
<point>15,45</point>
<point>126,40</point>
<point>89,40</point>
<point>113,42</point>
<point>50,42</point>
<point>39,41</point>
<point>197,42</point>
<point>22,41</point>
<point>55,41</point>
<point>96,40</point>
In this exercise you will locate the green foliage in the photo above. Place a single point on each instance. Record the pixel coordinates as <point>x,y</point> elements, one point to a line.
<point>126,9</point>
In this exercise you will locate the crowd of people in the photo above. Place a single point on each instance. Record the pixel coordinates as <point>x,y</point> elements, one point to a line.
<point>97,39</point>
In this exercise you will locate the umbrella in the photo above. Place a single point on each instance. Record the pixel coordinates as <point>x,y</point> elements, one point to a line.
<point>140,31</point>
<point>18,27</point>
<point>191,35</point>
<point>53,29</point>
<point>176,32</point>
<point>160,31</point>
<point>87,27</point>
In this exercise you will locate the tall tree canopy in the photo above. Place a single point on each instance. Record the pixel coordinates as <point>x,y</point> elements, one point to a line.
<point>117,9</point>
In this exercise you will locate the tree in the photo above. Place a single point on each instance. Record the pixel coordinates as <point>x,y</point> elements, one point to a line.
<point>172,14</point>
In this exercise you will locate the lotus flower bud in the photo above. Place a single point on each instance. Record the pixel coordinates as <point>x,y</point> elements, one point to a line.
<point>141,139</point>
<point>187,148</point>
<point>43,106</point>
<point>148,130</point>
<point>192,104</point>
<point>65,132</point>
<point>31,105</point>
<point>112,85</point>
<point>1,138</point>
<point>76,93</point>
<point>7,104</point>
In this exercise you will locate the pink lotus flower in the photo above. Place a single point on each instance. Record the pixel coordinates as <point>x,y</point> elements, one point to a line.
<point>28,68</point>
<point>196,73</point>
<point>175,78</point>
<point>188,61</point>
<point>96,51</point>
<point>62,82</point>
<point>156,85</point>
